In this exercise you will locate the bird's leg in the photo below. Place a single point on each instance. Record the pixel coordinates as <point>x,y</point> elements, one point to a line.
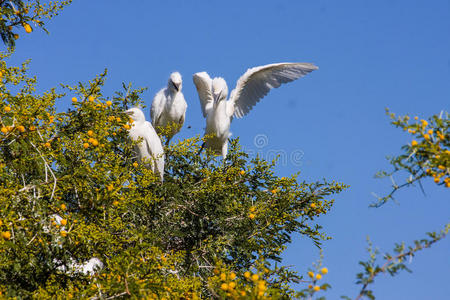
<point>201,148</point>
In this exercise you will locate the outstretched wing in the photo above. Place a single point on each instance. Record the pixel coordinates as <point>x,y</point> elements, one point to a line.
<point>157,107</point>
<point>203,83</point>
<point>258,81</point>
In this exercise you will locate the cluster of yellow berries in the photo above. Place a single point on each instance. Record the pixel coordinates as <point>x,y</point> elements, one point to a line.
<point>251,215</point>
<point>315,278</point>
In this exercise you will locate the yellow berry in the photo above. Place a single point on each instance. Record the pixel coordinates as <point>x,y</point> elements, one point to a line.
<point>115,202</point>
<point>416,118</point>
<point>224,286</point>
<point>251,216</point>
<point>118,119</point>
<point>243,293</point>
<point>316,288</point>
<point>63,233</point>
<point>90,133</point>
<point>441,167</point>
<point>312,205</point>
<point>7,108</point>
<point>437,179</point>
<point>32,128</point>
<point>27,27</point>
<point>6,235</point>
<point>223,276</point>
<point>424,123</point>
<point>310,274</point>
<point>4,130</point>
<point>255,277</point>
<point>430,131</point>
<point>63,222</point>
<point>63,206</point>
<point>94,142</point>
<point>318,276</point>
<point>324,270</point>
<point>135,164</point>
<point>274,191</point>
<point>126,126</point>
<point>414,143</point>
<point>426,136</point>
<point>232,285</point>
<point>310,286</point>
<point>247,274</point>
<point>109,103</point>
<point>48,145</point>
<point>86,145</point>
<point>110,187</point>
<point>252,208</point>
<point>91,98</point>
<point>242,172</point>
<point>21,128</point>
<point>232,275</point>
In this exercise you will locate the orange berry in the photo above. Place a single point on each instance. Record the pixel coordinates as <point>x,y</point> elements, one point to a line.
<point>251,216</point>
<point>21,128</point>
<point>32,128</point>
<point>109,103</point>
<point>414,143</point>
<point>27,27</point>
<point>90,133</point>
<point>310,286</point>
<point>310,274</point>
<point>316,288</point>
<point>224,286</point>
<point>118,119</point>
<point>91,98</point>
<point>16,36</point>
<point>426,136</point>
<point>86,145</point>
<point>242,172</point>
<point>63,233</point>
<point>232,275</point>
<point>255,277</point>
<point>274,191</point>
<point>7,109</point>
<point>4,130</point>
<point>247,274</point>
<point>115,202</point>
<point>94,142</point>
<point>324,270</point>
<point>312,205</point>
<point>318,276</point>
<point>135,164</point>
<point>63,222</point>
<point>6,235</point>
<point>74,99</point>
<point>126,126</point>
<point>441,167</point>
<point>48,145</point>
<point>252,208</point>
<point>110,187</point>
<point>437,179</point>
<point>223,276</point>
<point>232,285</point>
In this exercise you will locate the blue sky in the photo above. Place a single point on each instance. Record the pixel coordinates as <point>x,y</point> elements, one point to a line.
<point>371,55</point>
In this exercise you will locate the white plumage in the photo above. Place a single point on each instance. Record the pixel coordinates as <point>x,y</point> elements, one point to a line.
<point>150,149</point>
<point>250,89</point>
<point>169,106</point>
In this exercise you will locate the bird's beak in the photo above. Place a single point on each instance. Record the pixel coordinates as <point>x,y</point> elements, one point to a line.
<point>216,98</point>
<point>176,86</point>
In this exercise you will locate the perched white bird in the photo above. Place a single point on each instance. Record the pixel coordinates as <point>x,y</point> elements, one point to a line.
<point>250,88</point>
<point>150,148</point>
<point>169,106</point>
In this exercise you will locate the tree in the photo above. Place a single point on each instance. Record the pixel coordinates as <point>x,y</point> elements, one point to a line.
<point>197,234</point>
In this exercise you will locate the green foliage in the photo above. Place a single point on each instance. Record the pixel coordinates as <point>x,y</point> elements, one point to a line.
<point>392,263</point>
<point>428,154</point>
<point>155,240</point>
<point>15,14</point>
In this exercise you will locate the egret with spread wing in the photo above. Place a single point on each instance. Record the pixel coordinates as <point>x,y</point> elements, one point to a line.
<point>169,106</point>
<point>250,89</point>
<point>150,148</point>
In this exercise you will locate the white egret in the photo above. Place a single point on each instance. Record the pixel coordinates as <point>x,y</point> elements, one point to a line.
<point>169,106</point>
<point>150,148</point>
<point>250,89</point>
